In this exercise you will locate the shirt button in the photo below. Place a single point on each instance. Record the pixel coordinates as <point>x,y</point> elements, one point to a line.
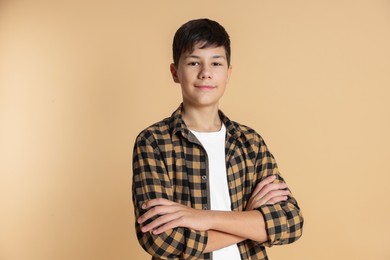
<point>204,177</point>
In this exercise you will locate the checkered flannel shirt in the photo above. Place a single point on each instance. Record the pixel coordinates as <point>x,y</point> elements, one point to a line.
<point>169,162</point>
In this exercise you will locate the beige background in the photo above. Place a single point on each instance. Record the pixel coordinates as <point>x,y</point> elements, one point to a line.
<point>80,79</point>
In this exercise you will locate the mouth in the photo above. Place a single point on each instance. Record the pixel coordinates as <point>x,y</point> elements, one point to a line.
<point>205,87</point>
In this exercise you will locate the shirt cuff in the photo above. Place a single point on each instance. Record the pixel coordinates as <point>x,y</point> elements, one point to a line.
<point>275,225</point>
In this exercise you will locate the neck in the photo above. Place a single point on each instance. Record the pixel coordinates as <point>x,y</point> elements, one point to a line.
<point>205,119</point>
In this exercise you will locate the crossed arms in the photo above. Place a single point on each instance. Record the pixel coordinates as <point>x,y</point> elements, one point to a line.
<point>225,227</point>
<point>168,229</point>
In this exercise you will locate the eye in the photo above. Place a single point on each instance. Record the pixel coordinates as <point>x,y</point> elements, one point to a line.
<point>217,64</point>
<point>193,63</point>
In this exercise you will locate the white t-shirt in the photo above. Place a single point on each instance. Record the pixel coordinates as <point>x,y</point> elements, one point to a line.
<point>214,144</point>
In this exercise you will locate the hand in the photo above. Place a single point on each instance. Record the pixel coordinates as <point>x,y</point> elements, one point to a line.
<point>171,215</point>
<point>267,192</point>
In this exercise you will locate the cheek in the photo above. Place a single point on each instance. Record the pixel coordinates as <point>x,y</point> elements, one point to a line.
<point>185,77</point>
<point>225,79</point>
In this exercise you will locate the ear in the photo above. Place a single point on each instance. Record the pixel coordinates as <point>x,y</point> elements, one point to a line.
<point>174,73</point>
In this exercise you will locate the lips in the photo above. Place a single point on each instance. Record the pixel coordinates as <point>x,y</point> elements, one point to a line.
<point>205,87</point>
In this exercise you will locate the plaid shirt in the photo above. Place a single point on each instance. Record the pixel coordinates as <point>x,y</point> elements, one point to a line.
<point>169,162</point>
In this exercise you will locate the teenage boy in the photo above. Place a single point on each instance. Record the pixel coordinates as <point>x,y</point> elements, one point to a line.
<point>206,187</point>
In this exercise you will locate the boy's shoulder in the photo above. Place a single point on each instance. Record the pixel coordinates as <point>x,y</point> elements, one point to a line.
<point>244,129</point>
<point>158,129</point>
<point>240,130</point>
<point>247,133</point>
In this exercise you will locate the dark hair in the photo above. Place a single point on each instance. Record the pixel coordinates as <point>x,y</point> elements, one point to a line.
<point>205,31</point>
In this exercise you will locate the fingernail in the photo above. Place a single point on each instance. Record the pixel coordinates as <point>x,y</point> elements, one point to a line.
<point>143,206</point>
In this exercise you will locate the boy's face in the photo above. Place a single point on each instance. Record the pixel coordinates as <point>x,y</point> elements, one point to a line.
<point>203,75</point>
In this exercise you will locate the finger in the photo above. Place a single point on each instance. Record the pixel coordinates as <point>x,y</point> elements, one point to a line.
<point>262,183</point>
<point>250,205</point>
<point>157,210</point>
<point>271,187</point>
<point>170,225</point>
<point>159,221</point>
<point>276,200</point>
<point>272,194</point>
<point>257,201</point>
<point>266,189</point>
<point>155,202</point>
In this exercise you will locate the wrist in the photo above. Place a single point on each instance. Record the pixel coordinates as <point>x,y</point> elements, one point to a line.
<point>211,219</point>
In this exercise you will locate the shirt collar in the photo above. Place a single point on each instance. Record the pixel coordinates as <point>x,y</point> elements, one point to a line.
<point>178,124</point>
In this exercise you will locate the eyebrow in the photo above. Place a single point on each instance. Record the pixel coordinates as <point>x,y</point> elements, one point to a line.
<point>214,57</point>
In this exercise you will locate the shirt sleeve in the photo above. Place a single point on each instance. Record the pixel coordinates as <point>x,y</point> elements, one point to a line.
<point>150,181</point>
<point>284,220</point>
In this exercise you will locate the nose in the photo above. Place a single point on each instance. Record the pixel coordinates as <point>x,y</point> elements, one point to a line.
<point>205,73</point>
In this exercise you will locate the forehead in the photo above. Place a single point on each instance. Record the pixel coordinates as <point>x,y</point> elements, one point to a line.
<point>201,51</point>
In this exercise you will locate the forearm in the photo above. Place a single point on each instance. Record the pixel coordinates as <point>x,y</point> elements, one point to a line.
<point>240,225</point>
<point>217,240</point>
<point>244,224</point>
